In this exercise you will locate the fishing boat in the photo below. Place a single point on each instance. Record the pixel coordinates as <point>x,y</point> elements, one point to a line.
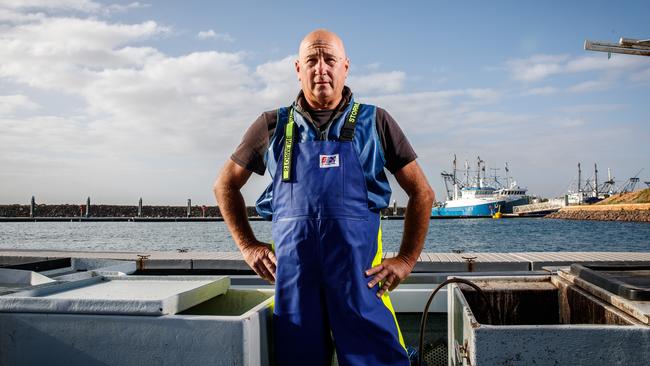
<point>478,195</point>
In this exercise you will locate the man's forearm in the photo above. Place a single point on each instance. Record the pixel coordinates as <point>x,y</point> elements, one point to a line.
<point>233,209</point>
<point>416,224</point>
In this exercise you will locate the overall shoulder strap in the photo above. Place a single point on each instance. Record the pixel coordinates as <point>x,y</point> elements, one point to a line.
<point>347,131</point>
<point>288,147</point>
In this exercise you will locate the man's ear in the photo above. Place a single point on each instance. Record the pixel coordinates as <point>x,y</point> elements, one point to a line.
<point>297,66</point>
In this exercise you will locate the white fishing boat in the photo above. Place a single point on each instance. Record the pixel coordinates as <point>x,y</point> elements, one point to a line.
<point>479,195</point>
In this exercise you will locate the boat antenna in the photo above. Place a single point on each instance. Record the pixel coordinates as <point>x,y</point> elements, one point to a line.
<point>507,175</point>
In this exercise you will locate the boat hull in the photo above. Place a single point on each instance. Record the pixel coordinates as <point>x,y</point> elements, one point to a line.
<point>483,209</point>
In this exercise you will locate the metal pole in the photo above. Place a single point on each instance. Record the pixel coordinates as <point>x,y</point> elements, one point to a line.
<point>88,206</point>
<point>140,207</point>
<point>189,207</point>
<point>32,207</point>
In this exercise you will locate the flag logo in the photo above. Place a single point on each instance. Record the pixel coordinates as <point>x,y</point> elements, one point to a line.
<point>329,161</point>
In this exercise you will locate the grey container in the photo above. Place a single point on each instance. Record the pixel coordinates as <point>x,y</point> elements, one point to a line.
<point>227,329</point>
<point>540,320</point>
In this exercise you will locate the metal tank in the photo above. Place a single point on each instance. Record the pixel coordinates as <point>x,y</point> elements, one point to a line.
<point>556,319</point>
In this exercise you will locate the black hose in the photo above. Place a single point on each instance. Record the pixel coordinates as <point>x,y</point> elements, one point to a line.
<point>423,322</point>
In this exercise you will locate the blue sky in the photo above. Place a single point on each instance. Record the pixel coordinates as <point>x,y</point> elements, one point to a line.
<point>121,100</point>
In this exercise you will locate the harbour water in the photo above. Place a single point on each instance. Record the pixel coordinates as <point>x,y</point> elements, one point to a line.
<point>475,235</point>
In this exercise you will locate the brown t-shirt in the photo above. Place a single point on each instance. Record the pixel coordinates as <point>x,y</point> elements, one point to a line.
<point>250,153</point>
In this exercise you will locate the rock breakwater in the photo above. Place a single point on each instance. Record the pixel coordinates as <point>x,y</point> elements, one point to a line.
<point>618,212</point>
<point>68,210</point>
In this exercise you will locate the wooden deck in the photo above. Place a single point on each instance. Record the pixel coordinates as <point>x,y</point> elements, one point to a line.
<point>428,262</point>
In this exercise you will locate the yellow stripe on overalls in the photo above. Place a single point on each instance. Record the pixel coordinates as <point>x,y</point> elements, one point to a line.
<point>384,298</point>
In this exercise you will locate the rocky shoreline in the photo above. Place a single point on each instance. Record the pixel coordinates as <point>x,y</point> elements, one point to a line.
<point>623,212</point>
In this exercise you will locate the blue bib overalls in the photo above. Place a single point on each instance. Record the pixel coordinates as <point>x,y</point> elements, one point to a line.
<point>325,237</point>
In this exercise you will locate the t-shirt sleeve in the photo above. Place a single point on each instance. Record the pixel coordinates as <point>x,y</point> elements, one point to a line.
<point>397,150</point>
<point>250,152</point>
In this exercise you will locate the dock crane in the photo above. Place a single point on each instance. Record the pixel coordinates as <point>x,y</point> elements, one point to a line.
<point>628,46</point>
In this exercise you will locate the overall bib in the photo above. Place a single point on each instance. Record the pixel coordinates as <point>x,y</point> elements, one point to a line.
<point>325,238</point>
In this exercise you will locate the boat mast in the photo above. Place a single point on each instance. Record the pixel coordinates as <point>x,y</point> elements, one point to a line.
<point>595,180</point>
<point>480,165</point>
<point>478,172</point>
<point>495,176</point>
<point>579,182</point>
<point>507,175</point>
<point>455,181</point>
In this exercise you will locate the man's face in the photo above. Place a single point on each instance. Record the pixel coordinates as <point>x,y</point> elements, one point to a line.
<point>322,68</point>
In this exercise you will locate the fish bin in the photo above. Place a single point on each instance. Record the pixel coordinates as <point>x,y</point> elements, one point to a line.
<point>557,319</point>
<point>136,320</point>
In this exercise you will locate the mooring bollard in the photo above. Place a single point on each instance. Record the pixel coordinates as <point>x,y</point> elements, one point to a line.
<point>470,263</point>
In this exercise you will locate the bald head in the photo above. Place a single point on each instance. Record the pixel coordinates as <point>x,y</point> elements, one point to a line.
<point>321,37</point>
<point>322,67</point>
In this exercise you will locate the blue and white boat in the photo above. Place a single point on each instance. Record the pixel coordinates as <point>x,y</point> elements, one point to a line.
<point>477,195</point>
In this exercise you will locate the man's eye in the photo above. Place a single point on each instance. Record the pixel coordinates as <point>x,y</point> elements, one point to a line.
<point>311,61</point>
<point>330,61</point>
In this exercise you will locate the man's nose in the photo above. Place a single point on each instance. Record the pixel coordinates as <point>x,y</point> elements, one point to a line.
<point>321,66</point>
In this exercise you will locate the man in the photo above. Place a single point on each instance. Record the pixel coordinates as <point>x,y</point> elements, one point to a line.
<point>326,155</point>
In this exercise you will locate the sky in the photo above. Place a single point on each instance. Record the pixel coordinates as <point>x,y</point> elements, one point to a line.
<point>121,100</point>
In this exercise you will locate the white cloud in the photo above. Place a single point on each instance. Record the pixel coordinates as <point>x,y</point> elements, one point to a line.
<point>547,90</point>
<point>78,5</point>
<point>372,66</point>
<point>279,80</point>
<point>66,53</point>
<point>425,115</point>
<point>134,106</point>
<point>589,86</point>
<point>539,67</point>
<point>591,108</point>
<point>536,67</point>
<point>566,122</point>
<point>118,8</point>
<point>379,82</point>
<point>12,103</point>
<point>210,34</point>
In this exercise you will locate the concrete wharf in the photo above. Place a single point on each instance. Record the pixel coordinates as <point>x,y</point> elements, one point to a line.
<point>428,262</point>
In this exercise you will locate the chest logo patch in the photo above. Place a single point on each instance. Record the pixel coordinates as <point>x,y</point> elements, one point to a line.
<point>329,161</point>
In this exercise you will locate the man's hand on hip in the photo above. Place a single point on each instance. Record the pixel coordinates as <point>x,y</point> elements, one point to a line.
<point>389,273</point>
<point>261,259</point>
